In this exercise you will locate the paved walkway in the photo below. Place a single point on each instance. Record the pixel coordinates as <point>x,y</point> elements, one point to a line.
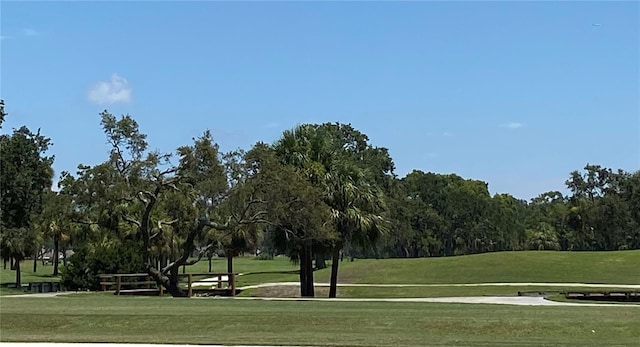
<point>521,284</point>
<point>499,300</point>
<point>496,300</point>
<point>211,281</point>
<point>64,344</point>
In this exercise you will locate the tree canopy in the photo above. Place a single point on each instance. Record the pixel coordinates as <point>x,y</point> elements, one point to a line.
<point>26,177</point>
<point>318,192</point>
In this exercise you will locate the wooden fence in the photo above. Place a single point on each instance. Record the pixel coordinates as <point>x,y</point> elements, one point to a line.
<point>143,284</point>
<point>604,295</point>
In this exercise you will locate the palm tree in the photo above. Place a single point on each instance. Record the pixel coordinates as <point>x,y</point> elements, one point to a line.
<point>356,210</point>
<point>308,151</point>
<point>333,158</point>
<point>54,223</point>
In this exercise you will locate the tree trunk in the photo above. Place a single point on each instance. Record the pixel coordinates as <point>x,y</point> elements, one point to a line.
<point>18,275</point>
<point>320,262</point>
<point>303,273</point>
<point>170,283</point>
<point>210,264</point>
<point>64,256</point>
<point>333,286</point>
<point>229,262</point>
<point>13,263</point>
<point>35,262</point>
<point>310,290</point>
<point>56,251</point>
<point>310,283</point>
<point>164,261</point>
<point>303,280</point>
<point>5,261</point>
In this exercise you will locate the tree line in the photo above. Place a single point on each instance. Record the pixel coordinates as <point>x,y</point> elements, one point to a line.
<point>319,192</point>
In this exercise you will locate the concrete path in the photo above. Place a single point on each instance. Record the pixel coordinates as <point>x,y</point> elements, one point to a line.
<point>498,300</point>
<point>64,344</point>
<point>521,284</point>
<point>210,282</point>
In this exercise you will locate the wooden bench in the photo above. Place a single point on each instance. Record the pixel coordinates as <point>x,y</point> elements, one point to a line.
<point>612,295</point>
<point>129,283</point>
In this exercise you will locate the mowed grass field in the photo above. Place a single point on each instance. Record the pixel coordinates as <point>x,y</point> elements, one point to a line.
<point>106,318</point>
<point>620,267</point>
<point>42,274</point>
<point>241,265</point>
<point>606,268</point>
<point>101,317</point>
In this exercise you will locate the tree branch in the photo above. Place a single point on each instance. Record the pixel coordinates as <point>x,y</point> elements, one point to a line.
<point>200,255</point>
<point>141,197</point>
<point>121,157</point>
<point>83,222</point>
<point>217,226</point>
<point>249,204</point>
<point>160,229</point>
<point>254,219</point>
<point>131,220</point>
<point>188,248</point>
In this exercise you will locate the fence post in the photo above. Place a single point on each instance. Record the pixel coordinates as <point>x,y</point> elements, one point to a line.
<point>189,285</point>
<point>232,279</point>
<point>219,280</point>
<point>118,282</point>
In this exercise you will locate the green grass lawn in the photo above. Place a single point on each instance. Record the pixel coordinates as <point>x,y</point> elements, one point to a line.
<point>421,292</point>
<point>620,267</point>
<point>43,273</point>
<point>106,318</point>
<point>246,264</point>
<point>253,270</point>
<point>530,266</point>
<point>446,291</point>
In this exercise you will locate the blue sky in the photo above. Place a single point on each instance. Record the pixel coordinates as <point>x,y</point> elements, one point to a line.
<point>517,94</point>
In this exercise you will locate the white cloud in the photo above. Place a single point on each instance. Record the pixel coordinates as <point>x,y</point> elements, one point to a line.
<point>115,90</point>
<point>512,125</point>
<point>29,32</point>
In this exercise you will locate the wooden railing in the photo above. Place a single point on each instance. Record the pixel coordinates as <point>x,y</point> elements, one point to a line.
<point>129,283</point>
<point>606,295</point>
<point>141,283</point>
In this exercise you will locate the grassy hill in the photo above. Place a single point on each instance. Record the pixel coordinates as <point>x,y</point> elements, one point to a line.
<point>620,267</point>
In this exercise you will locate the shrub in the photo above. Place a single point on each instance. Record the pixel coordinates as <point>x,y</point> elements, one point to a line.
<point>88,262</point>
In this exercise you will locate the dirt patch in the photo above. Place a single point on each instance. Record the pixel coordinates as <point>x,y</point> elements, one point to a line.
<point>287,292</point>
